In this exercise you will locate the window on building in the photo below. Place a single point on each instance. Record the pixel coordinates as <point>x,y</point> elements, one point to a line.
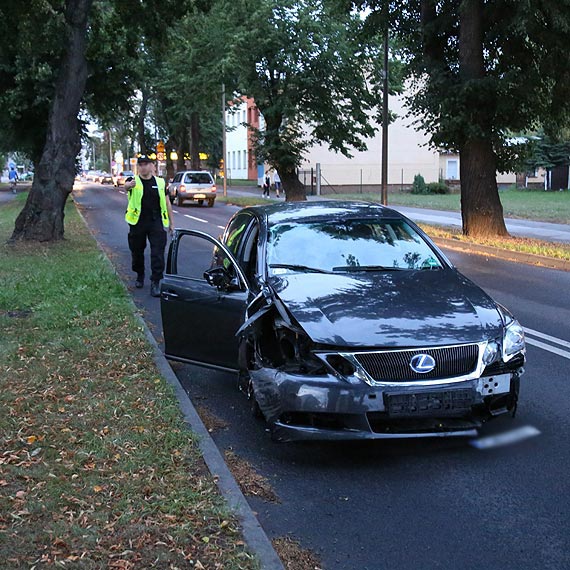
<point>233,159</point>
<point>239,159</point>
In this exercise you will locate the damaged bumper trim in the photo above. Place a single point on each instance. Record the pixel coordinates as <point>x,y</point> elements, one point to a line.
<point>325,407</point>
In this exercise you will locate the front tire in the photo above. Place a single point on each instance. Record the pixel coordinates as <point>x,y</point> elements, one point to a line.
<point>178,200</point>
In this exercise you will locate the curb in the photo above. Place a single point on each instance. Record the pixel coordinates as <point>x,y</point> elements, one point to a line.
<point>507,255</point>
<point>253,533</point>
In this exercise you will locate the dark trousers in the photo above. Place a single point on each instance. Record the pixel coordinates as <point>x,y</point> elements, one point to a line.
<point>153,230</point>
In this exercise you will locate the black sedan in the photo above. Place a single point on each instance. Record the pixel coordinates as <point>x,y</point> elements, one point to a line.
<point>343,321</point>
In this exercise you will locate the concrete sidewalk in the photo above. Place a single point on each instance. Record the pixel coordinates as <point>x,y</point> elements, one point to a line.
<point>521,228</point>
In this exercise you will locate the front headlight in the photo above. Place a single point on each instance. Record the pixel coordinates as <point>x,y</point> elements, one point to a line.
<point>513,340</point>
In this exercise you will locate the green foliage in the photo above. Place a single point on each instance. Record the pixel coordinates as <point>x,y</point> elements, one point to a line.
<point>419,185</point>
<point>524,80</point>
<point>437,188</point>
<point>310,75</point>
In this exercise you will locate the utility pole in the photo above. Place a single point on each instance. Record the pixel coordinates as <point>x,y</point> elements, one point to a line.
<point>385,121</point>
<point>110,154</point>
<point>224,138</point>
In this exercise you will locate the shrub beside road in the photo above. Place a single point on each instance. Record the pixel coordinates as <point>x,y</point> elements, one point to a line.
<point>97,466</point>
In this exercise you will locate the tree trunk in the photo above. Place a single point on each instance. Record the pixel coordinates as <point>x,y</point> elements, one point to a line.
<point>43,215</point>
<point>292,186</point>
<point>481,208</point>
<point>195,141</point>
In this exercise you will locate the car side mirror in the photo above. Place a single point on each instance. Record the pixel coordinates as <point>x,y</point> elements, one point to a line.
<point>218,277</point>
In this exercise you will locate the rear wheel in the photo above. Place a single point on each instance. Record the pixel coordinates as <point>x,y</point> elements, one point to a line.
<point>200,202</point>
<point>211,202</point>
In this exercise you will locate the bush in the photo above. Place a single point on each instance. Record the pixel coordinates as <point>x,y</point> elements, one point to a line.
<point>419,185</point>
<point>437,188</point>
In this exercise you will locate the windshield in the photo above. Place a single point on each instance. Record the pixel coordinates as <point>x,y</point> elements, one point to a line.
<point>198,178</point>
<point>349,246</point>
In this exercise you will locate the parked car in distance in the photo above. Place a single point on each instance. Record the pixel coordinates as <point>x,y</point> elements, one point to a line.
<point>195,185</point>
<point>343,320</point>
<point>26,177</point>
<point>92,175</point>
<point>105,178</point>
<point>122,176</point>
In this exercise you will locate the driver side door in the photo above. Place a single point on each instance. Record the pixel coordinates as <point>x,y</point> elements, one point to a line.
<point>204,295</point>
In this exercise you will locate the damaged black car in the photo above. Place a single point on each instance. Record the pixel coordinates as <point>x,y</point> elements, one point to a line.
<point>343,320</point>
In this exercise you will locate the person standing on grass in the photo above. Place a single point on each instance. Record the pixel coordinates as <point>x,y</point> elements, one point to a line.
<point>149,215</point>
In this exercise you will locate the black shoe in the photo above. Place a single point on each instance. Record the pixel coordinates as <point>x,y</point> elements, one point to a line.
<point>155,288</point>
<point>139,283</point>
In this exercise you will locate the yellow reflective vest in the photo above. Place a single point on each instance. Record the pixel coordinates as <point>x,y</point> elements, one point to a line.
<point>133,212</point>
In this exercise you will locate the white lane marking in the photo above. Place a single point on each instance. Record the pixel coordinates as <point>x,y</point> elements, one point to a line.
<point>221,227</point>
<point>505,438</point>
<point>197,219</point>
<point>547,337</point>
<point>544,346</point>
<point>122,191</point>
<point>175,211</point>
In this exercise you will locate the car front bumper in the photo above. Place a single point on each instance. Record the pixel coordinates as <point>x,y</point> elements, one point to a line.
<point>301,407</point>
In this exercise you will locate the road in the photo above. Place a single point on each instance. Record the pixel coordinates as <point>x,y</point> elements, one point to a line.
<point>442,504</point>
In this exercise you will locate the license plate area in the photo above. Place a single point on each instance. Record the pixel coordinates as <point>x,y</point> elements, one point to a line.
<point>199,196</point>
<point>429,404</point>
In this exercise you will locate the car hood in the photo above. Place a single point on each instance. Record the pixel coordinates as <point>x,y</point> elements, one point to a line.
<point>395,308</point>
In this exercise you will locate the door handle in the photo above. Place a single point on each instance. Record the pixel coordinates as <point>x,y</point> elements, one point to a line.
<point>170,295</point>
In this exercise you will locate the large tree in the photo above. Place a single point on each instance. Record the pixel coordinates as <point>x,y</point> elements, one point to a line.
<point>42,217</point>
<point>311,78</point>
<point>482,69</point>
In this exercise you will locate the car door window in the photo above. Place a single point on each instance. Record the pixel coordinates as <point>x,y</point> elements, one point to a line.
<point>235,234</point>
<point>177,178</point>
<point>195,256</point>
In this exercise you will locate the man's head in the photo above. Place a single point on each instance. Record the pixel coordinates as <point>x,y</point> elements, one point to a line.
<point>145,166</point>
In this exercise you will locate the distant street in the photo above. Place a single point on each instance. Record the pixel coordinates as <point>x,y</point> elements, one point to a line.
<point>404,505</point>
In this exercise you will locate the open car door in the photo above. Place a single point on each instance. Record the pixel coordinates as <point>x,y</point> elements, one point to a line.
<point>203,301</point>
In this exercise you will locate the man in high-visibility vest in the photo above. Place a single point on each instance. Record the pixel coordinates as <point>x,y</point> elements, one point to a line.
<point>149,215</point>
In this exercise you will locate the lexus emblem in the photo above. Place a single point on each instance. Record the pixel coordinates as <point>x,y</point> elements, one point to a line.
<point>422,363</point>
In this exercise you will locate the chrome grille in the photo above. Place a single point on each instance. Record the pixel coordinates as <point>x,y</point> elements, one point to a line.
<point>394,366</point>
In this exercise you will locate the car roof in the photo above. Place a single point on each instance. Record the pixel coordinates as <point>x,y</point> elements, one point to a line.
<point>323,209</point>
<point>194,172</point>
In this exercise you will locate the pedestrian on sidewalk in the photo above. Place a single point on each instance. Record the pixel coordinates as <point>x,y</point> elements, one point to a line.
<point>149,215</point>
<point>277,182</point>
<point>13,178</point>
<point>266,185</point>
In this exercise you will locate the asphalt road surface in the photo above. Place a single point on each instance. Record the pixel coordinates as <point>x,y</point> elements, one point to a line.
<point>423,504</point>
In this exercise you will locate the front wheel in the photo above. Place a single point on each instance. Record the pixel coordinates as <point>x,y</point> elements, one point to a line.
<point>178,200</point>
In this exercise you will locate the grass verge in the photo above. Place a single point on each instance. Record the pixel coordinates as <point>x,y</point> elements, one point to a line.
<point>97,467</point>
<point>524,204</point>
<point>521,245</point>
